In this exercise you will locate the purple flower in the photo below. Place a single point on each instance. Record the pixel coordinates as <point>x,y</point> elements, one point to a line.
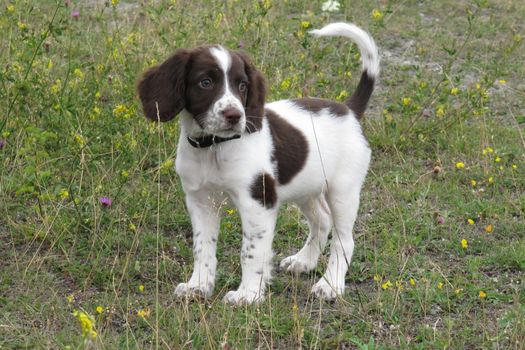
<point>440,220</point>
<point>75,14</point>
<point>2,143</point>
<point>105,201</point>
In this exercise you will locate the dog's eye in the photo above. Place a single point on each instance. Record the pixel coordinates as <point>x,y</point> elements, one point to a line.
<point>206,84</point>
<point>243,86</point>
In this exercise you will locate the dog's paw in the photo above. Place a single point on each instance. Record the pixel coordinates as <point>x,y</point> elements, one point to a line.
<point>193,291</point>
<point>243,297</point>
<point>324,290</point>
<point>297,264</point>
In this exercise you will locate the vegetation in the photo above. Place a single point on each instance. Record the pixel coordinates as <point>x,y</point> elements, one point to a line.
<point>94,234</point>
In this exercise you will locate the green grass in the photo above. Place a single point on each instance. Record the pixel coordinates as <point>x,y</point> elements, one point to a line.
<point>451,91</point>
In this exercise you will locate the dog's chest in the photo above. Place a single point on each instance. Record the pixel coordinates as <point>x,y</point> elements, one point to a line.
<point>229,165</point>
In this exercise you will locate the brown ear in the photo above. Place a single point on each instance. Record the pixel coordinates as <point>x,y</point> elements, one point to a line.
<point>163,85</point>
<point>256,95</point>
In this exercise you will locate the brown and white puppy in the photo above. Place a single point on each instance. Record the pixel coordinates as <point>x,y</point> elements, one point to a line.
<point>233,145</point>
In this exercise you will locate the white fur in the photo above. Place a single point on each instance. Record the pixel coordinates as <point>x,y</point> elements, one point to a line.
<point>217,123</point>
<point>326,190</point>
<point>364,41</point>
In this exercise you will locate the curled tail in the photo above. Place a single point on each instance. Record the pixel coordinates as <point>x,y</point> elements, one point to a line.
<point>358,101</point>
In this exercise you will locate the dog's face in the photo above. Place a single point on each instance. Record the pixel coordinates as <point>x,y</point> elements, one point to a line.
<point>221,90</point>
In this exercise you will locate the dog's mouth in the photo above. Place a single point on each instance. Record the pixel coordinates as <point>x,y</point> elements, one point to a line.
<point>225,129</point>
<point>226,132</point>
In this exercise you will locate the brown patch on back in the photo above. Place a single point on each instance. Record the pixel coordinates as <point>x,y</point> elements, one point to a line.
<point>290,147</point>
<point>315,105</point>
<point>263,190</point>
<point>359,99</point>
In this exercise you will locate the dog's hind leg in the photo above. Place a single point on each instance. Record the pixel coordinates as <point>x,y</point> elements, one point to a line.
<point>344,203</point>
<point>319,223</point>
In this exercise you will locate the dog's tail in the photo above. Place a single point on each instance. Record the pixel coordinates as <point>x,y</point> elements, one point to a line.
<point>369,56</point>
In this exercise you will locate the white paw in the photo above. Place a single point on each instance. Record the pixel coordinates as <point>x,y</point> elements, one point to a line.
<point>297,264</point>
<point>191,290</point>
<point>242,297</point>
<point>326,291</point>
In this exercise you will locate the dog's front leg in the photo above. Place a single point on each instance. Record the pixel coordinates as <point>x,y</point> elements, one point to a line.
<point>258,223</point>
<point>205,221</point>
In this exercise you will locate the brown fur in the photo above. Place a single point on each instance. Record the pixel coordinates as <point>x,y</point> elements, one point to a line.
<point>291,147</point>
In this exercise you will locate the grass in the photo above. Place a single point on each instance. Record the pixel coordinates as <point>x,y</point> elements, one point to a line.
<point>451,94</point>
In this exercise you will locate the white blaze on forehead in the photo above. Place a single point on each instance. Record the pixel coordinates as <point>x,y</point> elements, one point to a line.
<point>223,58</point>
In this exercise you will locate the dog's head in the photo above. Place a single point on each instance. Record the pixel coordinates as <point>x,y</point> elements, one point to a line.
<point>219,88</point>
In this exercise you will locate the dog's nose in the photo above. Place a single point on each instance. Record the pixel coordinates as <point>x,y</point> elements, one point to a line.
<point>232,115</point>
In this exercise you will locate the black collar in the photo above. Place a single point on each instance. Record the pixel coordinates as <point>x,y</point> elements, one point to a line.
<point>207,141</point>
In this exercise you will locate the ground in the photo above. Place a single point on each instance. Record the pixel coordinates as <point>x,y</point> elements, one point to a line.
<point>440,246</point>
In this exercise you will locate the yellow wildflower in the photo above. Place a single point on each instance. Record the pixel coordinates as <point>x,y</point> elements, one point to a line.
<point>63,194</point>
<point>10,8</point>
<point>141,288</point>
<point>460,165</point>
<point>166,166</point>
<point>440,112</point>
<point>114,2</point>
<point>119,110</point>
<point>86,324</point>
<point>406,101</point>
<point>502,81</point>
<point>143,313</point>
<point>285,84</point>
<point>70,298</point>
<point>464,243</point>
<point>488,150</point>
<point>498,159</point>
<point>78,73</point>
<point>458,290</point>
<point>230,211</point>
<point>100,309</point>
<point>473,183</point>
<point>377,278</point>
<point>265,4</point>
<point>132,227</point>
<point>21,25</point>
<point>386,285</point>
<point>470,221</point>
<point>80,139</point>
<point>342,95</point>
<point>305,24</point>
<point>377,15</point>
<point>489,228</point>
<point>514,166</point>
<point>218,20</point>
<point>491,180</point>
<point>440,285</point>
<point>454,91</point>
<point>55,88</point>
<point>482,294</point>
<point>412,281</point>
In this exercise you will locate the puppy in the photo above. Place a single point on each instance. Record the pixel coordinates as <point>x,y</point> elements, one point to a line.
<point>259,155</point>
